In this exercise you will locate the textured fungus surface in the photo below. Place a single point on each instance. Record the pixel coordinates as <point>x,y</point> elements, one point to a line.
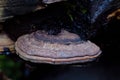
<point>64,48</point>
<point>6,42</point>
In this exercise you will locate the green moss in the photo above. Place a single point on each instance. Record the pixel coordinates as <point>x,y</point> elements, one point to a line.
<point>10,68</point>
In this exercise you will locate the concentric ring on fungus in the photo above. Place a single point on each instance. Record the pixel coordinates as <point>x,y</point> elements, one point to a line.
<point>64,48</point>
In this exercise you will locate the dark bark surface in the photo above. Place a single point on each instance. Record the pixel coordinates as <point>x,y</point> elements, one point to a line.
<point>10,8</point>
<point>83,17</point>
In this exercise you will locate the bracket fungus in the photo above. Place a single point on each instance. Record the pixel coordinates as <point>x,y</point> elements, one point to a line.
<point>6,43</point>
<point>63,48</point>
<point>116,14</point>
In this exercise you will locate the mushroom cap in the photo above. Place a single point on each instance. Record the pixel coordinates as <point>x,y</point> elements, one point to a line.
<point>64,48</point>
<point>6,42</point>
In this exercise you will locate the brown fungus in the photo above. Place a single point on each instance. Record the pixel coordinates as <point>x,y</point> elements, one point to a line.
<point>116,14</point>
<point>64,48</point>
<point>6,42</point>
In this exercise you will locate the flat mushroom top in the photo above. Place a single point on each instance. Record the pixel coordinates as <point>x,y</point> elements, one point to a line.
<point>46,47</point>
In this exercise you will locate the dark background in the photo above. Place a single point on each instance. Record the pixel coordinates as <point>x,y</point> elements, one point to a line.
<point>105,67</point>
